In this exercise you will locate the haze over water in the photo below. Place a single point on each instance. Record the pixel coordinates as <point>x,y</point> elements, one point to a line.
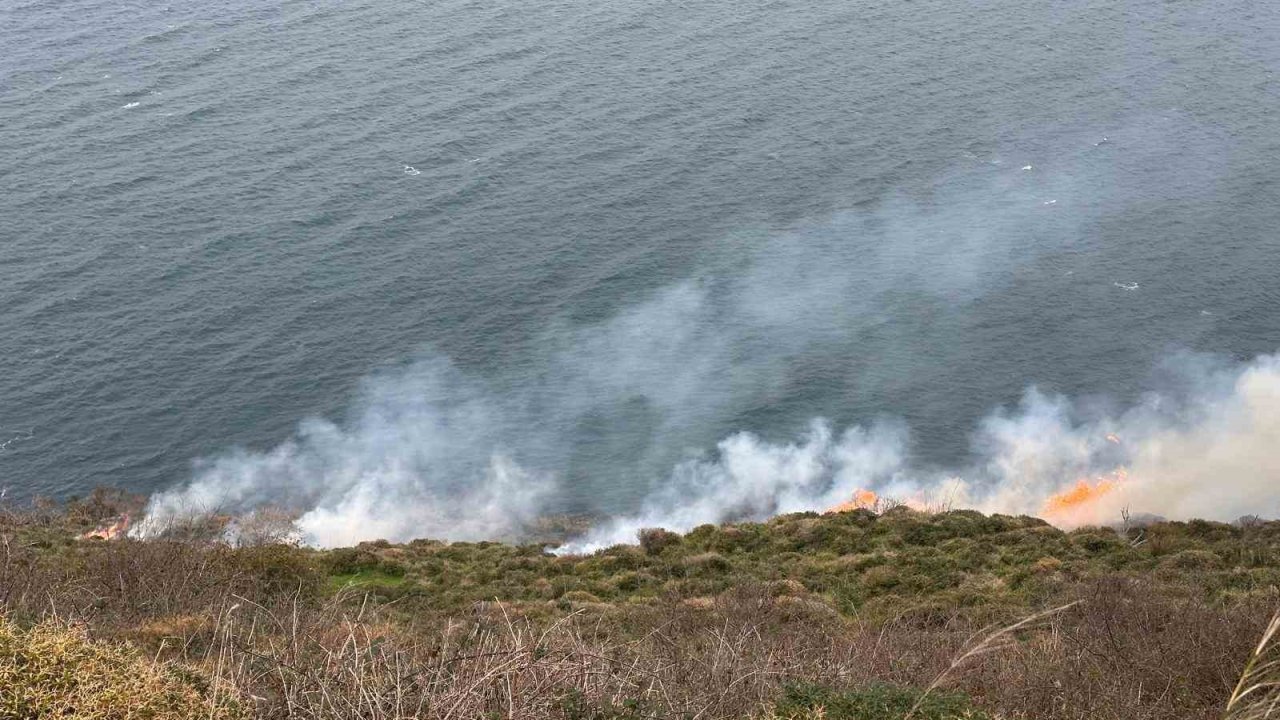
<point>595,239</point>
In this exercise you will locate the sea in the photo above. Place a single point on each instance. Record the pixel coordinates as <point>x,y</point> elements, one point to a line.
<point>309,244</point>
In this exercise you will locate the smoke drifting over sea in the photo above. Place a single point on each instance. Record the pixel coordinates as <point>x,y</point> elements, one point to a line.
<point>638,416</point>
<point>1206,450</point>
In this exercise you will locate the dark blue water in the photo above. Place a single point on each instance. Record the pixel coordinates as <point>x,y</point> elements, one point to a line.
<point>216,218</point>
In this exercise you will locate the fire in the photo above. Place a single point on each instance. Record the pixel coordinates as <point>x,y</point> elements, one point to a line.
<point>111,530</point>
<point>1078,504</point>
<point>1083,493</point>
<point>861,500</point>
<point>1087,501</point>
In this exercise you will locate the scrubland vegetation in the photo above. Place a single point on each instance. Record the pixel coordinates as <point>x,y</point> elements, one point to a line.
<point>852,615</point>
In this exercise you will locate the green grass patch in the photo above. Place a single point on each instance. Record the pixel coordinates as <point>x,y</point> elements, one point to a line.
<point>365,578</point>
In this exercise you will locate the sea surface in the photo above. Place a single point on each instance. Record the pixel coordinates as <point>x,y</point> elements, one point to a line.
<point>630,228</point>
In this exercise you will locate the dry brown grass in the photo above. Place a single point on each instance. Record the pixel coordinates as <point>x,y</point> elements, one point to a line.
<point>346,660</point>
<point>1256,695</point>
<point>1127,656</point>
<point>54,670</point>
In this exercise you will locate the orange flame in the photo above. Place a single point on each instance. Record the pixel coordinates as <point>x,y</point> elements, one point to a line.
<point>1083,493</point>
<point>113,530</point>
<point>861,500</point>
<point>1078,504</point>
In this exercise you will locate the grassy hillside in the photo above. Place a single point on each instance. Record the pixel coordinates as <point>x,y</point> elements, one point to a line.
<point>852,615</point>
<point>858,563</point>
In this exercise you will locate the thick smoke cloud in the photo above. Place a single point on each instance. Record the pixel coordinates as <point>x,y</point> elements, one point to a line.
<point>1206,448</point>
<point>423,457</point>
<point>1203,448</point>
<point>639,416</point>
<point>754,479</point>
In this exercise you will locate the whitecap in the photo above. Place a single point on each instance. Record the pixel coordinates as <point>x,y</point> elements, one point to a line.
<point>131,105</point>
<point>1126,285</point>
<point>410,170</point>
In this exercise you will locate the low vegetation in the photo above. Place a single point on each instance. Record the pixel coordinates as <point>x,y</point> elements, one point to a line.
<point>53,670</point>
<point>850,615</point>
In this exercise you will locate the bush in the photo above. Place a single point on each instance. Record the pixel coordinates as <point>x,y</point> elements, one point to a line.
<point>709,563</point>
<point>357,560</point>
<point>56,671</point>
<point>877,702</point>
<point>655,540</point>
<point>576,706</point>
<point>103,503</point>
<point>1096,541</point>
<point>273,570</point>
<point>787,587</point>
<point>1192,560</point>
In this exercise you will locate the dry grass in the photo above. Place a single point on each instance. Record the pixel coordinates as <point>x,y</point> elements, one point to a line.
<point>54,670</point>
<point>346,660</point>
<point>1256,695</point>
<point>1128,657</point>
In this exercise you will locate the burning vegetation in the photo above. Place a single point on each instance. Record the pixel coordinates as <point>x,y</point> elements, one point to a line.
<point>1084,502</point>
<point>114,529</point>
<point>861,500</point>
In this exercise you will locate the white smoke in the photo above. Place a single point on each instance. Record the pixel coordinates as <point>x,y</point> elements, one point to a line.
<point>750,478</point>
<point>1208,448</point>
<point>618,415</point>
<point>422,459</point>
<point>1210,451</point>
<point>431,450</point>
<point>1224,462</point>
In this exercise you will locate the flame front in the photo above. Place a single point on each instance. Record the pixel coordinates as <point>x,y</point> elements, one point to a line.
<point>1081,494</point>
<point>112,530</point>
<point>1080,504</point>
<point>861,500</point>
<point>1084,502</point>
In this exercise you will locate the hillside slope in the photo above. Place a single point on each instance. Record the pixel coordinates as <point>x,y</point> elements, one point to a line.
<point>845,615</point>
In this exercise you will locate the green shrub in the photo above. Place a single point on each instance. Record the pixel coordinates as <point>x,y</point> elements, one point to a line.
<point>881,577</point>
<point>877,702</point>
<point>655,540</point>
<point>271,570</point>
<point>358,560</point>
<point>780,588</point>
<point>576,706</point>
<point>709,563</point>
<point>630,581</point>
<point>617,558</point>
<point>579,596</point>
<point>1192,560</point>
<point>1096,541</point>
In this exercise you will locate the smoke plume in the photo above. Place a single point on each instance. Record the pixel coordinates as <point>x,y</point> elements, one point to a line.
<point>641,416</point>
<point>1206,450</point>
